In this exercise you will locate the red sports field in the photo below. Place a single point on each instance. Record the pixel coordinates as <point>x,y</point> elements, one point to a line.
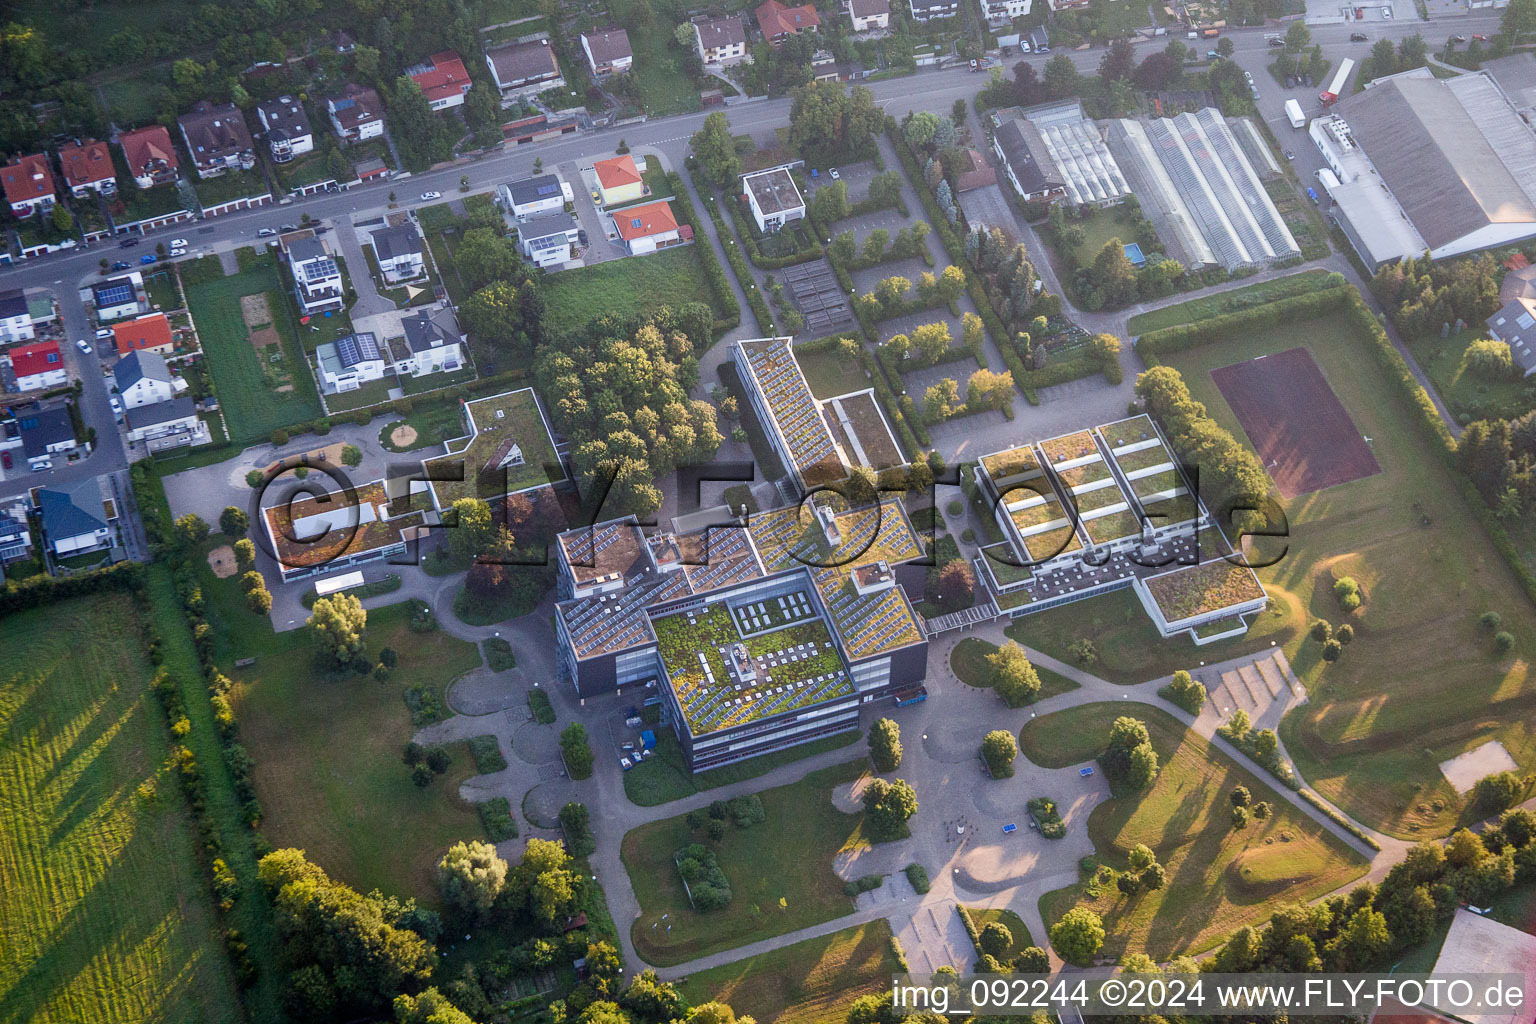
<point>1303,435</point>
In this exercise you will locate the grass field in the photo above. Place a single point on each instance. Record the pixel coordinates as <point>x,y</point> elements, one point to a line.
<point>969,661</point>
<point>665,777</point>
<point>788,857</point>
<point>830,374</point>
<point>810,982</point>
<point>1421,682</point>
<point>1465,393</point>
<point>252,408</point>
<point>658,68</point>
<point>104,911</point>
<point>1218,878</point>
<point>635,284</point>
<point>1228,301</point>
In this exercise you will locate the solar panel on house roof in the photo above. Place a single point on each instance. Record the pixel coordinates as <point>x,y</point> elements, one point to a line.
<point>354,348</point>
<point>112,295</point>
<point>549,189</point>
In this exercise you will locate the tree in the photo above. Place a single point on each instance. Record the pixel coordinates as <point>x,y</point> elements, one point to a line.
<point>941,400</point>
<point>418,134</point>
<point>259,600</point>
<point>63,220</point>
<point>190,531</point>
<point>245,553</point>
<point>1518,19</point>
<point>1226,47</point>
<point>989,390</point>
<point>827,125</point>
<point>1017,682</point>
<point>1489,359</point>
<point>995,939</point>
<point>885,745</point>
<point>931,341</point>
<point>998,749</point>
<point>956,583</point>
<point>1496,792</point>
<point>351,455</point>
<point>1117,62</point>
<point>1032,960</point>
<point>1143,767</point>
<point>1186,693</point>
<point>1061,77</point>
<point>1360,942</point>
<point>233,521</point>
<point>715,149</point>
<point>1297,37</point>
<point>484,256</point>
<point>471,876</point>
<point>472,528</point>
<point>1078,936</point>
<point>887,807</point>
<point>338,622</point>
<point>920,130</point>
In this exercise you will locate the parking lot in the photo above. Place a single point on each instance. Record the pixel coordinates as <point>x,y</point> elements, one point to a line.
<point>626,729</point>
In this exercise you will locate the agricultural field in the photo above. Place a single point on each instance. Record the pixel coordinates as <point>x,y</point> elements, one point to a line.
<point>258,368</point>
<point>810,982</point>
<point>787,857</point>
<point>104,914</point>
<point>1218,878</point>
<point>635,284</point>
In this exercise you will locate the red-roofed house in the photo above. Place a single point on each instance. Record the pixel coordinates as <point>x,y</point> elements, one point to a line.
<point>39,365</point>
<point>443,80</point>
<point>778,21</point>
<point>148,333</point>
<point>618,180</point>
<point>88,168</point>
<point>647,228</point>
<point>28,185</point>
<point>151,156</point>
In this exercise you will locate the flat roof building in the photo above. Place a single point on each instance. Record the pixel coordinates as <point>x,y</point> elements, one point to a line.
<point>773,197</point>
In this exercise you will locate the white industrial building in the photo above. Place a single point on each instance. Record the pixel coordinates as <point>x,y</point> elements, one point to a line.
<point>1198,187</point>
<point>1421,164</point>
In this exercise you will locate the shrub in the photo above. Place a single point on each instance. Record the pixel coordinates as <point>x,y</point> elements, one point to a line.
<point>415,753</point>
<point>1048,817</point>
<point>885,745</point>
<point>918,876</point>
<point>439,760</point>
<point>1083,651</point>
<point>538,703</point>
<point>1240,816</point>
<point>1347,591</point>
<point>487,754</point>
<point>1321,631</point>
<point>747,810</point>
<point>576,823</point>
<point>1332,651</point>
<point>422,775</point>
<point>707,885</point>
<point>1185,692</point>
<point>1345,633</point>
<point>496,818</point>
<point>863,884</point>
<point>279,437</point>
<point>998,749</point>
<point>1490,620</point>
<point>576,751</point>
<point>1503,640</point>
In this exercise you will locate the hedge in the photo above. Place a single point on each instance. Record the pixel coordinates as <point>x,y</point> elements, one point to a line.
<point>36,591</point>
<point>724,297</point>
<point>913,434</point>
<point>744,229</point>
<point>744,276</point>
<point>1203,332</point>
<point>1337,818</point>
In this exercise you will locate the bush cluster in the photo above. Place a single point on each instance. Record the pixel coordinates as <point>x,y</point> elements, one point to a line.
<point>708,888</point>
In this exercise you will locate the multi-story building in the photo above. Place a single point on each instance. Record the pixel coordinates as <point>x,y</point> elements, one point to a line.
<point>356,114</point>
<point>1028,162</point>
<point>79,517</point>
<point>778,22</point>
<point>38,366</point>
<point>619,180</point>
<point>88,168</point>
<point>443,79</point>
<point>150,155</point>
<point>287,126</point>
<point>146,334</point>
<point>720,40</point>
<point>868,15</point>
<point>546,241</point>
<point>28,185</point>
<point>432,343</point>
<point>15,316</point>
<point>524,68</point>
<point>535,197</point>
<point>350,362</point>
<point>118,297</point>
<point>342,530</point>
<point>929,10</point>
<point>773,198</point>
<point>756,635</point>
<point>142,378</point>
<point>217,138</point>
<point>648,227</point>
<point>165,425</point>
<point>608,52</point>
<point>400,252</point>
<point>316,276</point>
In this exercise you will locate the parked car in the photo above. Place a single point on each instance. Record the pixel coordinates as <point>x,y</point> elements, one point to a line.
<point>626,763</point>
<point>147,258</point>
<point>1312,195</point>
<point>1276,41</point>
<point>178,251</point>
<point>179,243</point>
<point>1453,39</point>
<point>120,265</point>
<point>289,227</point>
<point>1480,38</point>
<point>117,406</point>
<point>130,242</point>
<point>1212,55</point>
<point>425,196</point>
<point>5,460</point>
<point>1386,13</point>
<point>1357,37</point>
<point>1248,75</point>
<point>1289,155</point>
<point>266,233</point>
<point>83,345</point>
<point>835,176</point>
<point>104,333</point>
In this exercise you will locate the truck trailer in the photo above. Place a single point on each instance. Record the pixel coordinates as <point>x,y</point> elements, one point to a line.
<point>1335,88</point>
<point>1293,112</point>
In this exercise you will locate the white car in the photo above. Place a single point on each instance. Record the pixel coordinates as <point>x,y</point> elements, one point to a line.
<point>266,232</point>
<point>178,251</point>
<point>104,333</point>
<point>117,406</point>
<point>68,243</point>
<point>625,763</point>
<point>83,346</point>
<point>835,175</point>
<point>425,196</point>
<point>179,243</point>
<point>1248,75</point>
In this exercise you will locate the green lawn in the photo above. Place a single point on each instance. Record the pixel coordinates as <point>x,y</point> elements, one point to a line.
<point>1463,393</point>
<point>1421,682</point>
<point>229,186</point>
<point>104,910</point>
<point>664,777</point>
<point>1099,229</point>
<point>1218,879</point>
<point>969,662</point>
<point>788,856</point>
<point>635,284</point>
<point>434,425</point>
<point>982,916</point>
<point>658,68</point>
<point>1228,301</point>
<point>810,982</point>
<point>831,374</point>
<point>327,748</point>
<point>252,407</point>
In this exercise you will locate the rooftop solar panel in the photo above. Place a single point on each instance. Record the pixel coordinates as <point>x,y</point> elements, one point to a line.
<point>114,294</point>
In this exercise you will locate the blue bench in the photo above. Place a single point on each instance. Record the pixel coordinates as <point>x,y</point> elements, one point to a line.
<point>1010,829</point>
<point>1085,772</point>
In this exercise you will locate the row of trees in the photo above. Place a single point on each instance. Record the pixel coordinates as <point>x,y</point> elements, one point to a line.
<point>1231,477</point>
<point>984,390</point>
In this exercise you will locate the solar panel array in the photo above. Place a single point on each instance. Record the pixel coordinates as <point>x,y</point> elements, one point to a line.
<point>778,378</point>
<point>114,294</point>
<point>356,348</point>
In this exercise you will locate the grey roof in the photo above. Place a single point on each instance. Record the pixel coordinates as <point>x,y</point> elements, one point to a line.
<point>549,224</point>
<point>1456,159</point>
<point>869,8</point>
<point>12,303</point>
<point>284,117</point>
<point>609,45</point>
<point>516,62</point>
<point>1515,76</point>
<point>1515,324</point>
<point>774,191</point>
<point>161,412</point>
<point>140,364</point>
<point>43,428</point>
<point>532,190</point>
<point>114,291</point>
<point>356,105</point>
<point>72,511</point>
<point>430,329</point>
<point>215,131</point>
<point>1027,157</point>
<point>718,32</point>
<point>400,240</point>
<point>307,249</point>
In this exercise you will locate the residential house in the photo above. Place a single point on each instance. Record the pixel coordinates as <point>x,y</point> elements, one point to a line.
<point>371,169</point>
<point>38,366</point>
<point>150,155</point>
<point>118,297</point>
<point>316,276</point>
<point>1027,161</point>
<point>217,138</point>
<point>433,343</point>
<point>535,197</point>
<point>1515,325</point>
<point>619,180</point>
<point>349,362</point>
<point>142,378</point>
<point>15,316</point>
<point>15,534</point>
<point>720,40</point>
<point>869,15</point>
<point>928,10</point>
<point>524,68</point>
<point>778,22</point>
<point>1003,12</point>
<point>648,228</point>
<point>287,126</point>
<point>88,168</point>
<point>356,114</point>
<point>171,424</point>
<point>546,241</point>
<point>400,253</point>
<point>78,517</point>
<point>443,79</point>
<point>28,185</point>
<point>773,198</point>
<point>146,334</point>
<point>44,434</point>
<point>974,172</point>
<point>342,40</point>
<point>608,52</point>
